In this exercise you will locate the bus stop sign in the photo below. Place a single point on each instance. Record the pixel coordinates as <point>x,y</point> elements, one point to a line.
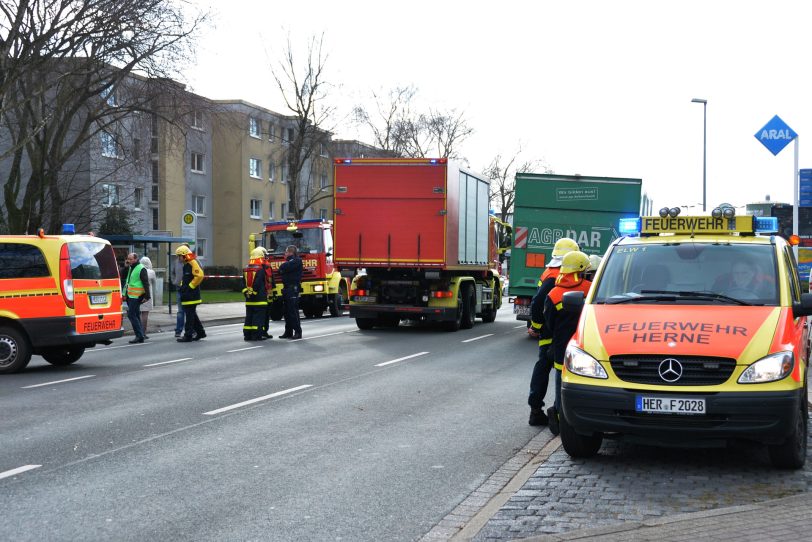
<point>775,135</point>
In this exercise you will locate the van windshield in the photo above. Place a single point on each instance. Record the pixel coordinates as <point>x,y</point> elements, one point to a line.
<point>92,260</point>
<point>683,272</point>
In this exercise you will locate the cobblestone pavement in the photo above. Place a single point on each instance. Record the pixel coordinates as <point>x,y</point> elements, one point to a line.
<point>633,483</point>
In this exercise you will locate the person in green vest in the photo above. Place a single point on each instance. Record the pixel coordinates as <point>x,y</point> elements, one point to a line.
<point>136,292</point>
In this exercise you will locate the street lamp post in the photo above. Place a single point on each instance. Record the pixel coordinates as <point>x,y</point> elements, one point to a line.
<point>704,148</point>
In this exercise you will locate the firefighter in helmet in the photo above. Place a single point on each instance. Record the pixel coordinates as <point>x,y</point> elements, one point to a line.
<point>255,281</point>
<point>562,324</point>
<point>541,371</point>
<point>189,292</point>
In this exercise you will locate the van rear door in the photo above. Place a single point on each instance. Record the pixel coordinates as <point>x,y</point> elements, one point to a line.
<point>96,286</point>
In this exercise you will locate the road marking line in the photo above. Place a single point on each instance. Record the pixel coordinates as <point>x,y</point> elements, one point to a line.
<point>243,349</point>
<point>477,338</point>
<point>165,362</point>
<point>401,359</point>
<point>320,336</point>
<point>58,382</point>
<point>18,470</point>
<point>517,327</point>
<point>257,400</point>
<point>106,348</point>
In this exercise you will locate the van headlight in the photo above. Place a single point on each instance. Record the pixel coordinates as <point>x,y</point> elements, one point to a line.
<point>769,369</point>
<point>580,363</point>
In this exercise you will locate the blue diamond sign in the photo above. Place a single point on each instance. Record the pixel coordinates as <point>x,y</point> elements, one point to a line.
<point>776,135</point>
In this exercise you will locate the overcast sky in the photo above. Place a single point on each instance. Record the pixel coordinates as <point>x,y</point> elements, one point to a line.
<point>598,88</point>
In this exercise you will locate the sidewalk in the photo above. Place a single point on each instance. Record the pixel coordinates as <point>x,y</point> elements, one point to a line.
<point>160,321</point>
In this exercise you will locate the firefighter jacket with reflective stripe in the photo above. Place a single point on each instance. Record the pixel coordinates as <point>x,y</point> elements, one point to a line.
<point>137,282</point>
<point>255,280</point>
<point>537,305</point>
<point>560,323</point>
<point>189,285</point>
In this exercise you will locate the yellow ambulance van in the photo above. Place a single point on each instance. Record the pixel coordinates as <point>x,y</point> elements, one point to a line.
<point>694,333</point>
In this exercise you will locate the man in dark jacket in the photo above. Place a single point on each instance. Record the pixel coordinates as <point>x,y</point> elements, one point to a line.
<point>291,272</point>
<point>137,292</point>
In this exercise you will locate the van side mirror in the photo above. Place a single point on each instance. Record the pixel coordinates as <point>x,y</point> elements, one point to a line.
<point>802,308</point>
<point>574,302</point>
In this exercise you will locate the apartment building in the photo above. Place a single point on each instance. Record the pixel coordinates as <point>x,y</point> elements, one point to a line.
<point>251,176</point>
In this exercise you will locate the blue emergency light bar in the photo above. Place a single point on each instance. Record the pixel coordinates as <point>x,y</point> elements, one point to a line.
<point>629,226</point>
<point>68,229</point>
<point>766,224</point>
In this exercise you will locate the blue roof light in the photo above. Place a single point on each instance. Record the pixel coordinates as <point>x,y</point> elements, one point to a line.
<point>68,229</point>
<point>629,226</point>
<point>766,224</point>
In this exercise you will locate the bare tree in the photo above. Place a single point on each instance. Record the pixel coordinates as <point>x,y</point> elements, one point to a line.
<point>76,75</point>
<point>304,91</point>
<point>502,173</point>
<point>396,126</point>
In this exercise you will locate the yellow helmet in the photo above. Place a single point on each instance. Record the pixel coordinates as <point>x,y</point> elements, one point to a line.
<point>258,253</point>
<point>562,247</point>
<point>594,262</point>
<point>574,262</point>
<point>182,251</point>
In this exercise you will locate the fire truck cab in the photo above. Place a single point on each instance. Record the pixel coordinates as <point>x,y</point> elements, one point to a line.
<point>323,288</point>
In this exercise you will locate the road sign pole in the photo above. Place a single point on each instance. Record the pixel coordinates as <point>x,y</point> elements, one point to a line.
<point>796,182</point>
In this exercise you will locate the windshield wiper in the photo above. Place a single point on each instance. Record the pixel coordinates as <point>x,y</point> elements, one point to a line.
<point>669,295</point>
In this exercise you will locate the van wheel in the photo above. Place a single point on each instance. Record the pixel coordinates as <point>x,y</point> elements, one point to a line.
<point>791,454</point>
<point>578,445</point>
<point>63,356</point>
<point>15,353</point>
<point>468,307</point>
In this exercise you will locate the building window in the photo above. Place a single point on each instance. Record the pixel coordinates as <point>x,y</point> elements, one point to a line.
<point>284,210</point>
<point>155,219</point>
<point>285,175</point>
<point>323,180</point>
<point>290,135</point>
<point>154,195</point>
<point>109,145</point>
<point>199,205</point>
<point>197,162</point>
<point>197,120</point>
<point>270,210</point>
<point>201,248</point>
<point>323,214</point>
<point>136,148</point>
<point>255,168</point>
<point>138,198</point>
<point>271,172</point>
<point>109,96</point>
<point>253,127</point>
<point>110,195</point>
<point>271,130</point>
<point>256,208</point>
<point>322,149</point>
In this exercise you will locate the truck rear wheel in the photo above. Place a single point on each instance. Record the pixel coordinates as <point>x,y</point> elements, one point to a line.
<point>335,304</point>
<point>277,311</point>
<point>578,445</point>
<point>468,307</point>
<point>791,454</point>
<point>456,323</point>
<point>62,356</point>
<point>15,353</point>
<point>365,323</point>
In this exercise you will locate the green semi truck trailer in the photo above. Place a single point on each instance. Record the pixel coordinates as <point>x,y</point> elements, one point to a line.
<point>549,207</point>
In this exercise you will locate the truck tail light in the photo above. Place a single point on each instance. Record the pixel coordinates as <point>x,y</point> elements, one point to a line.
<point>442,294</point>
<point>359,292</point>
<point>65,277</point>
<point>523,301</point>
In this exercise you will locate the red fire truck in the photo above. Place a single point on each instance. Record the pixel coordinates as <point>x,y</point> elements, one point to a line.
<point>323,288</point>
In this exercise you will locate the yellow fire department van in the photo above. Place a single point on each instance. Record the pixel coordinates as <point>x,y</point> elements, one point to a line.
<point>59,294</point>
<point>694,333</point>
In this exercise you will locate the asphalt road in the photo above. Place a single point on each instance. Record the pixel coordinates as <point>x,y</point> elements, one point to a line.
<point>345,435</point>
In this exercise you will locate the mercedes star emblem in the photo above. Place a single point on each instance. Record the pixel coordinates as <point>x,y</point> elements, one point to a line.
<point>670,370</point>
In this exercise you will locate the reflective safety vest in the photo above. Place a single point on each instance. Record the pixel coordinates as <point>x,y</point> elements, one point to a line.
<point>562,324</point>
<point>135,288</point>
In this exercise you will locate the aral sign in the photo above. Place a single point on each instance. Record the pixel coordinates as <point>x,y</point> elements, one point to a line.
<point>775,135</point>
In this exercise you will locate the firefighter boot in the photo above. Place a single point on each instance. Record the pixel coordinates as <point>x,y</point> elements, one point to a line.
<point>552,415</point>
